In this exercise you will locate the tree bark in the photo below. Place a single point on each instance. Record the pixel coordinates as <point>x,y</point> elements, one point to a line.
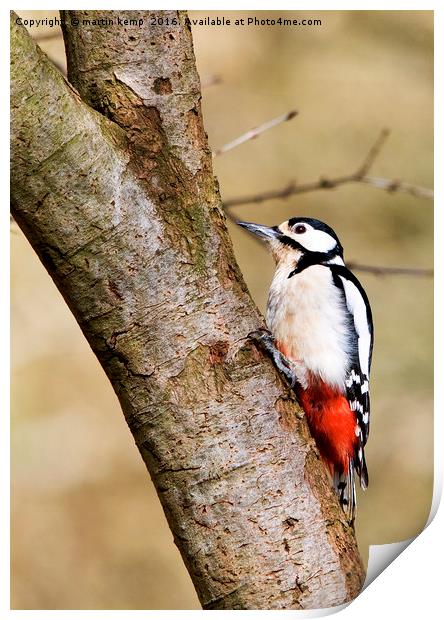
<point>112,184</point>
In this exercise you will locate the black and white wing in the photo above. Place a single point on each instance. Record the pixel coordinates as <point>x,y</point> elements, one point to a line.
<point>357,381</point>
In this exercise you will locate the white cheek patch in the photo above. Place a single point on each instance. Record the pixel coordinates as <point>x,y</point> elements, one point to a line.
<point>313,239</point>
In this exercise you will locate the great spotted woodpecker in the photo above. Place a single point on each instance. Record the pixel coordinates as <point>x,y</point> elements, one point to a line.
<point>322,339</point>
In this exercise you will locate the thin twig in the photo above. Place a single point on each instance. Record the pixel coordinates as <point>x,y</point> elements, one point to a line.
<point>360,176</point>
<point>391,271</point>
<point>255,132</point>
<point>373,153</point>
<point>393,185</point>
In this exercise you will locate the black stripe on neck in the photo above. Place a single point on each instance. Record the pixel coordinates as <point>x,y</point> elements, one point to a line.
<point>313,258</point>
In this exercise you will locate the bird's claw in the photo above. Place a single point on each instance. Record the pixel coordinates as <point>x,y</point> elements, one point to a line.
<point>265,339</point>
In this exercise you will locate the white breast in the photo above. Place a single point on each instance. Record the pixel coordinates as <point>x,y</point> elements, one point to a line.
<point>306,313</point>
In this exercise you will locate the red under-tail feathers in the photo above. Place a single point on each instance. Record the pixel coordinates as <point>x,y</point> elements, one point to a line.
<point>332,424</point>
<point>331,421</point>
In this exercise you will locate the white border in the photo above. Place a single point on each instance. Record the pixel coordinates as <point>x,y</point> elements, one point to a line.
<point>410,584</point>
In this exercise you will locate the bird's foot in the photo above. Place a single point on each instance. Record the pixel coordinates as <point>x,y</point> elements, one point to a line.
<point>267,342</point>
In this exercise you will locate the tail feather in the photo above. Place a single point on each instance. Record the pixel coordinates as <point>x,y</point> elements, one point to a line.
<point>344,483</point>
<point>361,467</point>
<point>363,475</point>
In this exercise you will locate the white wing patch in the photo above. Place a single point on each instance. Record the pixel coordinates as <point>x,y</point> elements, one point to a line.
<point>357,381</point>
<point>356,307</point>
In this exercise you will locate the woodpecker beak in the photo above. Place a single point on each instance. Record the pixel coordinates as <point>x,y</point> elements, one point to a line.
<point>265,232</point>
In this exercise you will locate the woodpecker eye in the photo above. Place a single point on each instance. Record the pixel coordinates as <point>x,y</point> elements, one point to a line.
<point>299,229</point>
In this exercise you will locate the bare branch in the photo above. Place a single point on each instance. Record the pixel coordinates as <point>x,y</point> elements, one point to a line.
<point>255,132</point>
<point>360,176</point>
<point>393,185</point>
<point>391,271</point>
<point>373,153</point>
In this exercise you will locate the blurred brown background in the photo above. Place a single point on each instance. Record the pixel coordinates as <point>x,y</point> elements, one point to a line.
<point>88,531</point>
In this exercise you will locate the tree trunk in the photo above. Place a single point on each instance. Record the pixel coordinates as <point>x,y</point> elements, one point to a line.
<point>119,201</point>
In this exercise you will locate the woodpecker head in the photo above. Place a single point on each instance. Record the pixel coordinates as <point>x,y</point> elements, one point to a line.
<point>301,242</point>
